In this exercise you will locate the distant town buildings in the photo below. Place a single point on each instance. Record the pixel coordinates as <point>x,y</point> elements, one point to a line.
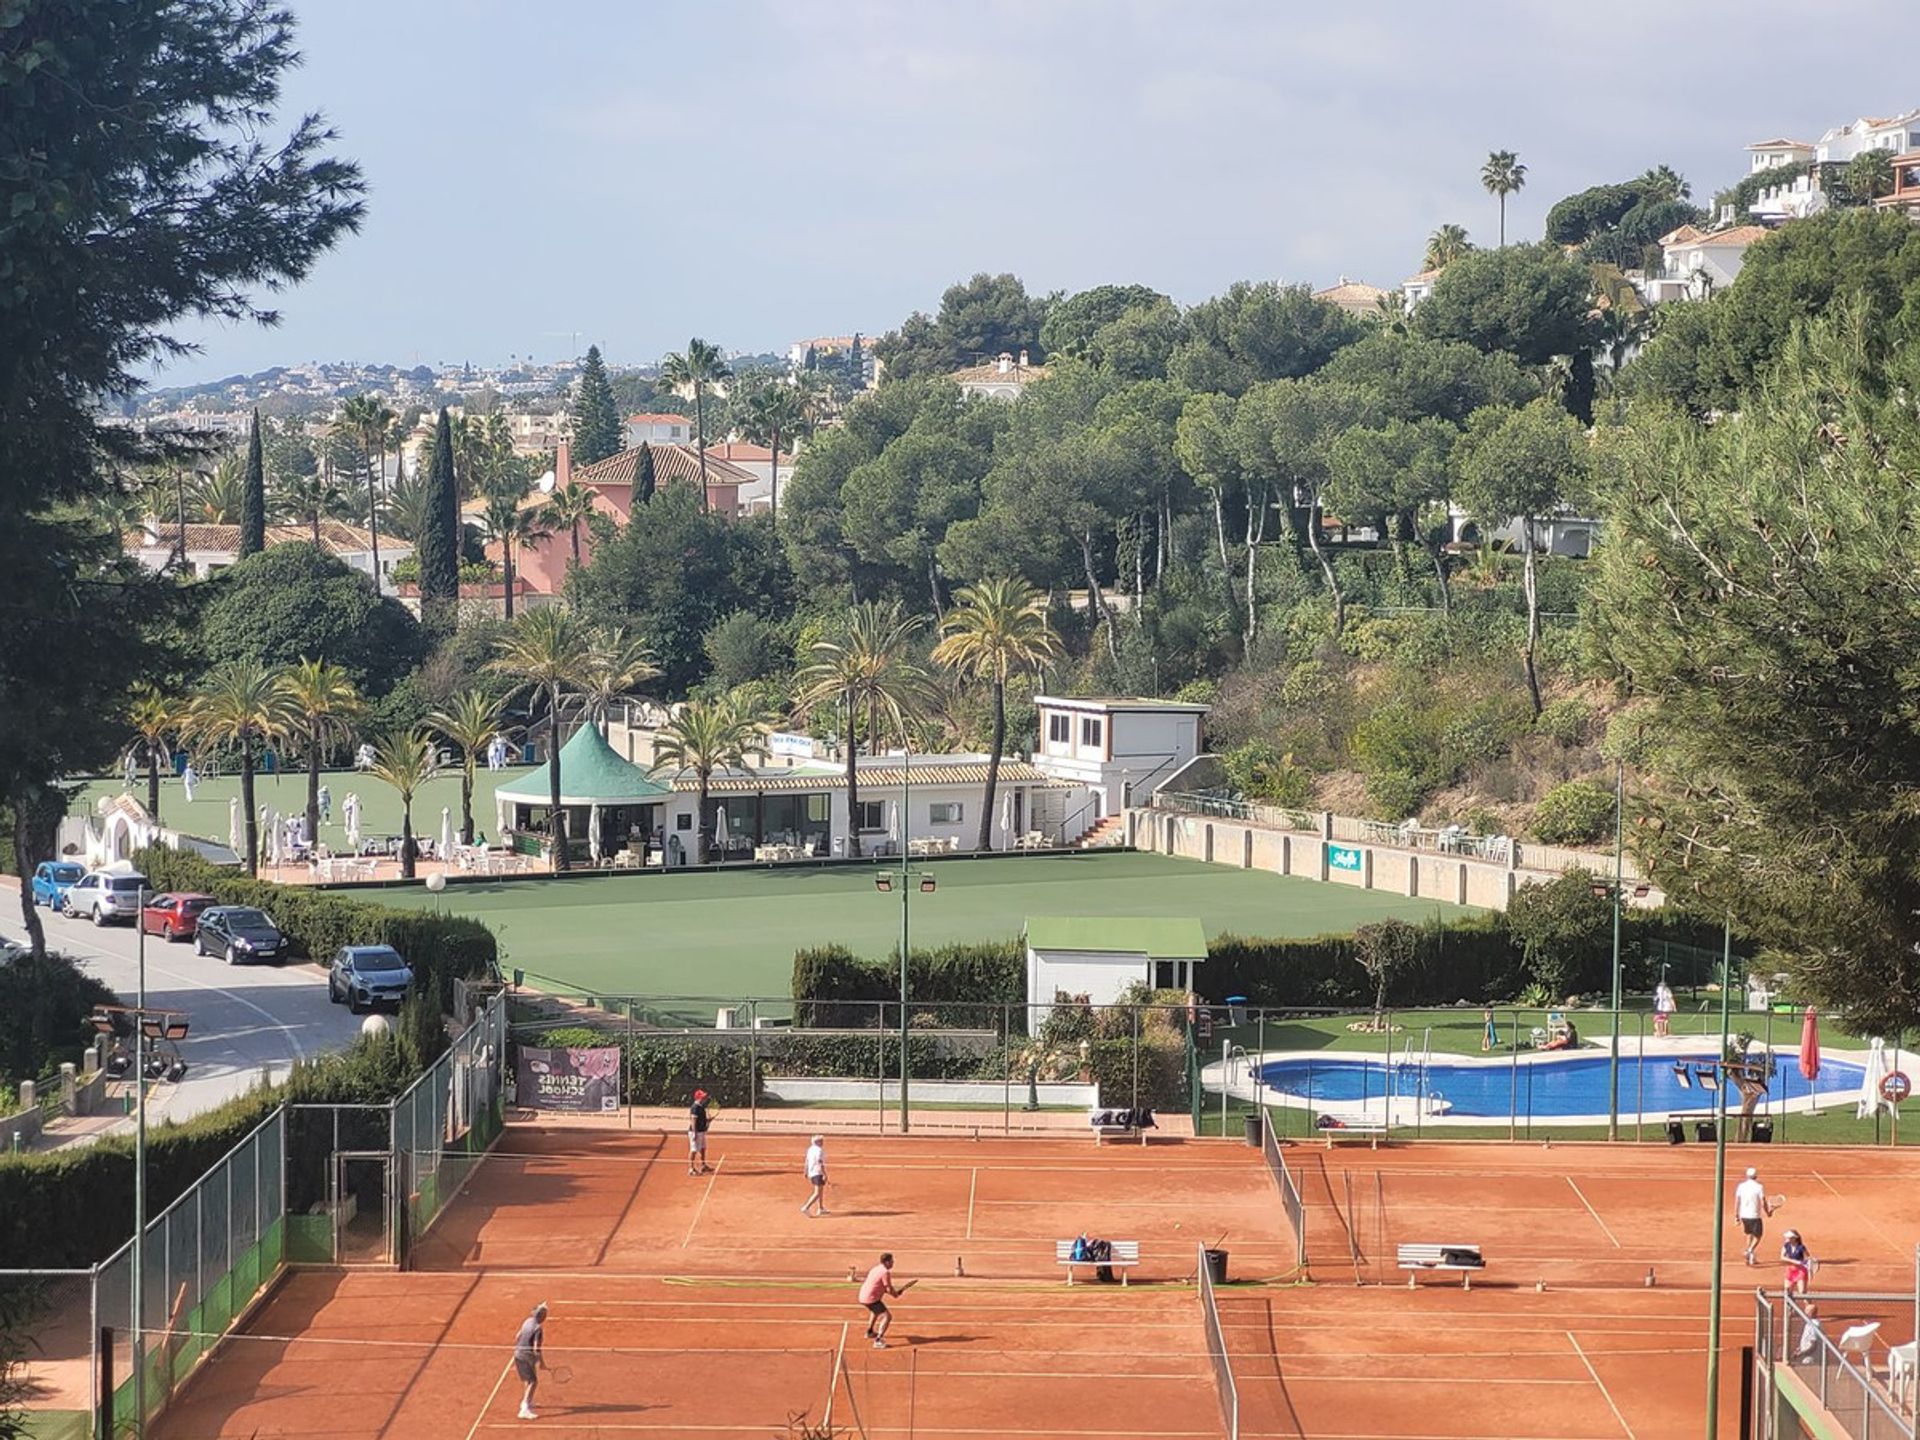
<point>658,430</point>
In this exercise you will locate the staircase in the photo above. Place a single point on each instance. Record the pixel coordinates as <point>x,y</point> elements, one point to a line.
<point>1106,834</point>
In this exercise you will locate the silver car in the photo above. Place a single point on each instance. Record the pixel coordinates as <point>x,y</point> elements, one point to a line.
<point>101,896</point>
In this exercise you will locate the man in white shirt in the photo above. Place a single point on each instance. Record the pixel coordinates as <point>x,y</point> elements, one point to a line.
<point>1751,1208</point>
<point>816,1201</point>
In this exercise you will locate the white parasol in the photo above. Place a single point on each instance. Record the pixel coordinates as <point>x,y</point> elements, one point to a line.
<point>893,823</point>
<point>1006,819</point>
<point>593,833</point>
<point>350,813</point>
<point>1876,1069</point>
<point>233,824</point>
<point>273,839</point>
<point>720,829</point>
<point>446,833</point>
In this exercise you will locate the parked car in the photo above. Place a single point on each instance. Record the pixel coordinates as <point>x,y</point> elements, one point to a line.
<point>101,896</point>
<point>175,917</point>
<point>239,934</point>
<point>52,879</point>
<point>367,975</point>
<point>11,951</point>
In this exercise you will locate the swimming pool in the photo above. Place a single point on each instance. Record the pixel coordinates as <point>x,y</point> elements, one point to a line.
<point>1540,1086</point>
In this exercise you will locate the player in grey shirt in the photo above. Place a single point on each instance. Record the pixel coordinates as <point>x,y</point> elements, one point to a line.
<point>527,1356</point>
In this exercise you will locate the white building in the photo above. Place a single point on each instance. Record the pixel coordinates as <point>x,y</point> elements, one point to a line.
<point>1120,749</point>
<point>757,461</point>
<point>1004,379</point>
<point>1355,297</point>
<point>658,430</point>
<point>1099,958</point>
<point>1772,154</point>
<point>1696,263</point>
<point>210,549</point>
<point>1416,288</point>
<point>1893,133</point>
<point>1795,199</point>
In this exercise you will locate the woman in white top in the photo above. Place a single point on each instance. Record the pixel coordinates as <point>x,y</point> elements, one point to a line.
<point>816,1201</point>
<point>1663,1008</point>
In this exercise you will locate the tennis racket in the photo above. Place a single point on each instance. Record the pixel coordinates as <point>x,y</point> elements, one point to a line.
<point>1775,1202</point>
<point>908,1286</point>
<point>560,1374</point>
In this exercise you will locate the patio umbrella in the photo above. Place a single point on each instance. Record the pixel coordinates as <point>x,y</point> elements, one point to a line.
<point>1810,1046</point>
<point>233,824</point>
<point>446,832</point>
<point>893,822</point>
<point>1006,819</point>
<point>350,813</point>
<point>593,832</point>
<point>273,839</point>
<point>1870,1099</point>
<point>720,828</point>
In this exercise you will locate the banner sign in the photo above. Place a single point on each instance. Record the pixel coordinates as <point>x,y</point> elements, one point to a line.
<point>789,746</point>
<point>584,1081</point>
<point>1343,857</point>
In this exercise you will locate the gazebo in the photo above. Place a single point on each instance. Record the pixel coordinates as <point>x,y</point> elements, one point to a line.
<point>609,802</point>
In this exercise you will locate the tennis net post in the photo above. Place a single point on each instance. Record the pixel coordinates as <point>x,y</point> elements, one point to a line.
<point>1289,1191</point>
<point>1217,1348</point>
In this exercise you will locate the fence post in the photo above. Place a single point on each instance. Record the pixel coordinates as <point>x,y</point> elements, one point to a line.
<point>1136,1057</point>
<point>753,1065</point>
<point>1513,1088</point>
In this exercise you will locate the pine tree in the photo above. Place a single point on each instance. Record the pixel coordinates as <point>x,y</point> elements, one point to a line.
<point>643,474</point>
<point>253,496</point>
<point>856,368</point>
<point>438,545</point>
<point>596,420</point>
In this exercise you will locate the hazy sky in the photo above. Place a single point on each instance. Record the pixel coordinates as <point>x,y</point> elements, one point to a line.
<point>759,172</point>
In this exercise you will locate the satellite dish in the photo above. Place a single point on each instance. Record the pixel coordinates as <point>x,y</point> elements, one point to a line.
<point>546,483</point>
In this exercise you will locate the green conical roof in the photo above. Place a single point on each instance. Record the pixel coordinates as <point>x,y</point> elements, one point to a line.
<point>590,774</point>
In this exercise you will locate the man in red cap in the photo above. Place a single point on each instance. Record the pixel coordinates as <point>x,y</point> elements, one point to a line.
<point>697,1134</point>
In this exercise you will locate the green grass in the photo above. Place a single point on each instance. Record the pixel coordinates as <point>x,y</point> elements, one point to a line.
<point>732,933</point>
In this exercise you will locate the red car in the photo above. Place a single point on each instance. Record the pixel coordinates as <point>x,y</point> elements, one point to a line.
<point>174,916</point>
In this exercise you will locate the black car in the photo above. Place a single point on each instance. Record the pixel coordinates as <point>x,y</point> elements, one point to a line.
<point>240,934</point>
<point>368,975</point>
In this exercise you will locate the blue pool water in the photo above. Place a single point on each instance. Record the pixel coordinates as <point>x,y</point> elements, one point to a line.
<point>1573,1085</point>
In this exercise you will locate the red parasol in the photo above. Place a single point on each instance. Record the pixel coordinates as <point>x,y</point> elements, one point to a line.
<point>1810,1045</point>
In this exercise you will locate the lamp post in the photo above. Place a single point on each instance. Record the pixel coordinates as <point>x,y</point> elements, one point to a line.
<point>1616,889</point>
<point>907,878</point>
<point>1719,1186</point>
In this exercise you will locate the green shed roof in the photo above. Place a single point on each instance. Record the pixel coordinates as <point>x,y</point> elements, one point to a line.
<point>590,774</point>
<point>1121,935</point>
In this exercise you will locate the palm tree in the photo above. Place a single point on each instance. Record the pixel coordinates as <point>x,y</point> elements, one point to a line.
<point>309,499</point>
<point>371,422</point>
<point>406,762</point>
<point>570,507</point>
<point>547,651</point>
<point>994,628</point>
<point>323,705</point>
<point>869,668</point>
<point>216,495</point>
<point>616,663</point>
<point>695,368</point>
<point>239,703</point>
<point>1446,245</point>
<point>1869,175</point>
<point>153,719</point>
<point>1503,175</point>
<point>773,411</point>
<point>513,527</point>
<point>708,735</point>
<point>1663,182</point>
<point>409,504</point>
<point>470,720</point>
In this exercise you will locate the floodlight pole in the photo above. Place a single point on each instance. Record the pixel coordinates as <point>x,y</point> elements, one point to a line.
<point>1613,1050</point>
<point>1719,1186</point>
<point>906,905</point>
<point>140,1161</point>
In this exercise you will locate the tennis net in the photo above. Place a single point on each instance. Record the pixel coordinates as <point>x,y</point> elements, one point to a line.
<point>1289,1192</point>
<point>1217,1351</point>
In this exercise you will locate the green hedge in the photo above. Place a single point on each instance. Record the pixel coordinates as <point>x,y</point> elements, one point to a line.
<point>953,985</point>
<point>44,1005</point>
<point>440,948</point>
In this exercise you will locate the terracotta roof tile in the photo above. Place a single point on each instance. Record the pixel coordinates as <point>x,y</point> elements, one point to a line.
<point>670,462</point>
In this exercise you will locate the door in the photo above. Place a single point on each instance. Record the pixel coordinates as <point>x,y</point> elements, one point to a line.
<point>362,1205</point>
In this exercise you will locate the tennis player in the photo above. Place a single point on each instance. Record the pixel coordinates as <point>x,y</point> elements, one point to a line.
<point>528,1356</point>
<point>697,1122</point>
<point>816,1201</point>
<point>1751,1208</point>
<point>874,1292</point>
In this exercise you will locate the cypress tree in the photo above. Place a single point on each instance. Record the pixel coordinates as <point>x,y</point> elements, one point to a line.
<point>643,474</point>
<point>596,419</point>
<point>253,496</point>
<point>856,367</point>
<point>439,550</point>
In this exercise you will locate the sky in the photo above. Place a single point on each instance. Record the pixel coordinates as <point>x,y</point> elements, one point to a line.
<point>631,173</point>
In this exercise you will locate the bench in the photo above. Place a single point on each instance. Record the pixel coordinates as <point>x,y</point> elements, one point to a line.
<point>1372,1133</point>
<point>1115,1128</point>
<point>1464,1258</point>
<point>1126,1255</point>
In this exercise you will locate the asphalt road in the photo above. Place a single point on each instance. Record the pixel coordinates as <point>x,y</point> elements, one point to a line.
<point>246,1020</point>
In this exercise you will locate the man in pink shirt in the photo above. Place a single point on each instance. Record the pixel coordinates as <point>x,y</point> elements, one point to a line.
<point>874,1291</point>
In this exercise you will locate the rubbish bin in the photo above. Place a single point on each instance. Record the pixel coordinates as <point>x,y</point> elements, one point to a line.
<point>1763,1132</point>
<point>1236,1009</point>
<point>1253,1130</point>
<point>1217,1266</point>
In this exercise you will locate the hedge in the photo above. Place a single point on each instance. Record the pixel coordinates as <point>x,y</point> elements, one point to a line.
<point>44,1010</point>
<point>440,948</point>
<point>953,985</point>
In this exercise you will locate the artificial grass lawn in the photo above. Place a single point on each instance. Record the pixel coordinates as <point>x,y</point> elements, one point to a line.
<point>731,934</point>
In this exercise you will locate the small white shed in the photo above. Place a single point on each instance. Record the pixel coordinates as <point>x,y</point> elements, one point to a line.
<point>1100,957</point>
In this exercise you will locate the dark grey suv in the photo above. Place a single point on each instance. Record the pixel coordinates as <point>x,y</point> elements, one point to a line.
<point>368,975</point>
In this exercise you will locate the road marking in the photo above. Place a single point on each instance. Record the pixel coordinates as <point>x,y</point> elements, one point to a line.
<point>972,1184</point>
<point>1603,1389</point>
<point>1595,1214</point>
<point>704,1197</point>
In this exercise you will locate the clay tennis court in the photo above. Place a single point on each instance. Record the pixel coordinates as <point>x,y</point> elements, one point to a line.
<point>711,1307</point>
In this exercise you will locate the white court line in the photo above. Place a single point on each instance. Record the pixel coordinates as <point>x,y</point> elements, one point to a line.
<point>707,1194</point>
<point>481,1418</point>
<point>1595,1214</point>
<point>1606,1393</point>
<point>972,1185</point>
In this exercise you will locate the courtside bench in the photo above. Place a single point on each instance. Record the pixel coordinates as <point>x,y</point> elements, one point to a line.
<point>1371,1133</point>
<point>1126,1255</point>
<point>1464,1258</point>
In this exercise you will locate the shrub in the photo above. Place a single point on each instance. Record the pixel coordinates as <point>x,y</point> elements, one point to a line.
<point>44,1005</point>
<point>1565,932</point>
<point>1395,794</point>
<point>1573,813</point>
<point>952,985</point>
<point>1261,772</point>
<point>1567,720</point>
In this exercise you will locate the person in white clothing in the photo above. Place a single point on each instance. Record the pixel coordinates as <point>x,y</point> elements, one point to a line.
<point>816,1201</point>
<point>1751,1209</point>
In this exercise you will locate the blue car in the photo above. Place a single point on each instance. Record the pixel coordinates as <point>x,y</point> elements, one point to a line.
<point>52,879</point>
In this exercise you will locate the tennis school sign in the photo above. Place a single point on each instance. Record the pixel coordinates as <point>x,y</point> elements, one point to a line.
<point>583,1081</point>
<point>1343,857</point>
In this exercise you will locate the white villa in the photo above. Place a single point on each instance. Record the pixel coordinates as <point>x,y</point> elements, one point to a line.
<point>1003,379</point>
<point>209,549</point>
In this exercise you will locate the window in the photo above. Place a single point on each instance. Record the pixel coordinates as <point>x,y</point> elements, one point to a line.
<point>817,808</point>
<point>946,813</point>
<point>683,821</point>
<point>871,817</point>
<point>1090,733</point>
<point>1059,729</point>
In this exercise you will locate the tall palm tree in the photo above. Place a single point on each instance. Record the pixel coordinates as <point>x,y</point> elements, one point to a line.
<point>1503,175</point>
<point>772,412</point>
<point>215,496</point>
<point>1446,245</point>
<point>547,651</point>
<point>868,669</point>
<point>570,507</point>
<point>616,663</point>
<point>708,735</point>
<point>309,499</point>
<point>241,703</point>
<point>409,504</point>
<point>1663,182</point>
<point>406,761</point>
<point>1869,175</point>
<point>371,421</point>
<point>153,718</point>
<point>322,705</point>
<point>996,627</point>
<point>514,528</point>
<point>470,720</point>
<point>695,368</point>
